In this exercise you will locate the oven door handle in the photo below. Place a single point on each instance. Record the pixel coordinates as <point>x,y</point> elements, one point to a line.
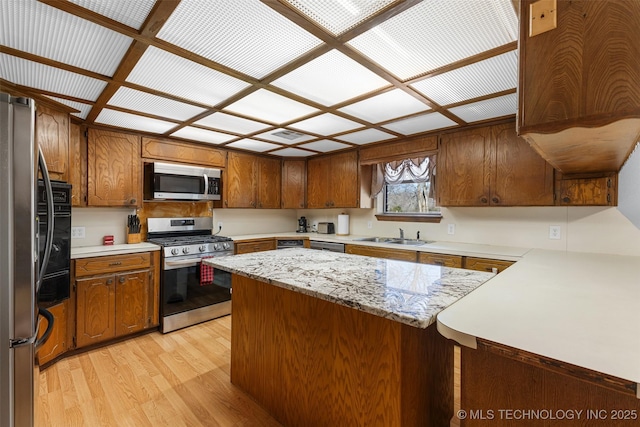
<point>189,262</point>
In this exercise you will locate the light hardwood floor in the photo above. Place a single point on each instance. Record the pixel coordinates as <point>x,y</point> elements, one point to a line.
<point>176,379</point>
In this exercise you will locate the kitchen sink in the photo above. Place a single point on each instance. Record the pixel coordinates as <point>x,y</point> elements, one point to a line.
<point>396,241</point>
<point>376,239</point>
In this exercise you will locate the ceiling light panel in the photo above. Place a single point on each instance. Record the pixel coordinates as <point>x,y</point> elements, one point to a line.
<point>435,33</point>
<point>284,136</point>
<point>153,104</point>
<point>423,123</point>
<point>292,152</point>
<point>335,76</point>
<point>43,77</point>
<point>248,36</point>
<point>231,123</point>
<point>386,106</point>
<point>130,13</point>
<point>42,30</point>
<point>83,109</point>
<point>366,136</point>
<point>270,107</point>
<point>324,145</point>
<point>482,78</point>
<point>253,145</point>
<point>338,16</point>
<point>202,135</point>
<point>326,124</point>
<point>487,109</point>
<point>159,70</point>
<point>132,121</point>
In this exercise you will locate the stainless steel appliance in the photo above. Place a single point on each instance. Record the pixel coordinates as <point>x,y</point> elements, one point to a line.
<point>189,291</point>
<point>302,225</point>
<point>21,267</point>
<point>290,243</point>
<point>327,246</point>
<point>167,181</point>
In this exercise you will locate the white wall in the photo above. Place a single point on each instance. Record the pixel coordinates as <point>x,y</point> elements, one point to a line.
<point>99,222</point>
<point>628,187</point>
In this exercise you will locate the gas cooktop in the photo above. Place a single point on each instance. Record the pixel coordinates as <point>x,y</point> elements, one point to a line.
<point>187,240</point>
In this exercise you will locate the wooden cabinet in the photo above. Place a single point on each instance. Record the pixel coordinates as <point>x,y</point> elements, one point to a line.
<point>183,152</point>
<point>77,165</point>
<point>252,182</point>
<point>587,191</point>
<point>484,264</point>
<point>492,166</point>
<point>378,252</point>
<point>579,97</point>
<point>57,342</point>
<point>115,296</point>
<point>454,261</point>
<point>255,246</point>
<point>114,170</point>
<point>294,174</point>
<point>333,181</point>
<point>52,136</point>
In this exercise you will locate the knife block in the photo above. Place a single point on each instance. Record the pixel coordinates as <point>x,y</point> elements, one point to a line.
<point>133,238</point>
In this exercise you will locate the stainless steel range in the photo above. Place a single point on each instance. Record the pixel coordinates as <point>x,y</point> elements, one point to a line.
<point>190,292</point>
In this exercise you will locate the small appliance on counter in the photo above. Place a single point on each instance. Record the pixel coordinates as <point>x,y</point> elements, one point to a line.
<point>326,228</point>
<point>302,225</point>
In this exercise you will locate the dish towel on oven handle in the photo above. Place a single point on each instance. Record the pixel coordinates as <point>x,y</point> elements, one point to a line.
<point>206,272</point>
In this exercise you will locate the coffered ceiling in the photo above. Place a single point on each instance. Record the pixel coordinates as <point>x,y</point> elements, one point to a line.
<point>283,77</point>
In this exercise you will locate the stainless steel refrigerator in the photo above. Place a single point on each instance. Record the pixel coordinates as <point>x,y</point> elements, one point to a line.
<point>20,264</point>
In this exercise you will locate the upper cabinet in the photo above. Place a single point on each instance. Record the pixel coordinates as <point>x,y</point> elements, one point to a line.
<point>294,174</point>
<point>333,181</point>
<point>579,97</point>
<point>77,165</point>
<point>114,169</point>
<point>52,136</point>
<point>252,182</point>
<point>587,191</point>
<point>491,166</point>
<point>183,152</point>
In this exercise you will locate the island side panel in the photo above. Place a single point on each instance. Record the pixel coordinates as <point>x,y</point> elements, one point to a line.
<point>492,385</point>
<point>311,362</point>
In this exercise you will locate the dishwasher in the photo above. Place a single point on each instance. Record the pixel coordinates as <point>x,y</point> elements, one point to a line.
<point>327,246</point>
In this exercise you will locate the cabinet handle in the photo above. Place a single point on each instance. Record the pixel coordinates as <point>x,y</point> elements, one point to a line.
<point>440,263</point>
<point>495,200</point>
<point>132,201</point>
<point>121,280</point>
<point>484,200</point>
<point>109,281</point>
<point>566,199</point>
<point>115,263</point>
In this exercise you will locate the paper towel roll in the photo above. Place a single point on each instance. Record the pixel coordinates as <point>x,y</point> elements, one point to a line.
<point>343,225</point>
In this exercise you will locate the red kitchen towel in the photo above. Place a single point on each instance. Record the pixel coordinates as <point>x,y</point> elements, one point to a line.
<point>206,273</point>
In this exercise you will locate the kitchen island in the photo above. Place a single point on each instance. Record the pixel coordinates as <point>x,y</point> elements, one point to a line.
<point>322,338</point>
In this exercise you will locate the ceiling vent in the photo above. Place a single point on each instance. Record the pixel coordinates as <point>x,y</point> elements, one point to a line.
<point>288,134</point>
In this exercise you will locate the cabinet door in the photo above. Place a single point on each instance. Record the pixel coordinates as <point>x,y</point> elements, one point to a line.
<point>57,342</point>
<point>344,188</point>
<point>269,185</point>
<point>255,246</point>
<point>397,254</point>
<point>520,176</point>
<point>483,264</point>
<point>293,184</point>
<point>114,169</point>
<point>77,165</point>
<point>52,135</point>
<point>464,165</point>
<point>454,261</point>
<point>182,152</point>
<point>318,171</point>
<point>95,309</point>
<point>598,191</point>
<point>132,302</point>
<point>240,182</point>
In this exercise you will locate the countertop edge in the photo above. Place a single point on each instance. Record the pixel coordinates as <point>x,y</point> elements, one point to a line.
<point>106,250</point>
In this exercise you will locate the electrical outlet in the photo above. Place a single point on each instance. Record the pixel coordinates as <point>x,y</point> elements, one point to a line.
<point>554,232</point>
<point>451,229</point>
<point>219,225</point>
<point>369,224</point>
<point>77,232</point>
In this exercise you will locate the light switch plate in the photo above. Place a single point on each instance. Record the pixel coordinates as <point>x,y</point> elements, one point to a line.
<point>543,17</point>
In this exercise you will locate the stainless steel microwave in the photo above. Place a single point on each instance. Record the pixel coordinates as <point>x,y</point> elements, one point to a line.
<point>167,181</point>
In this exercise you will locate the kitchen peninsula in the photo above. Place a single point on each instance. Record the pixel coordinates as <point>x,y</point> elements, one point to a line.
<point>322,338</point>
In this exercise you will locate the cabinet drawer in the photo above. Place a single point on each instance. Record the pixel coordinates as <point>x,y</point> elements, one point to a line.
<point>258,246</point>
<point>483,264</point>
<point>454,261</point>
<point>397,254</point>
<point>112,263</point>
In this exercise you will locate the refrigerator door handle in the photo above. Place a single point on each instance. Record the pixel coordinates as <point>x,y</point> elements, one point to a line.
<point>50,222</point>
<point>47,333</point>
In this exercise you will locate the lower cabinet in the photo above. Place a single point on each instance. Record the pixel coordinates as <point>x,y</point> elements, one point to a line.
<point>454,261</point>
<point>114,297</point>
<point>397,254</point>
<point>255,246</point>
<point>57,342</point>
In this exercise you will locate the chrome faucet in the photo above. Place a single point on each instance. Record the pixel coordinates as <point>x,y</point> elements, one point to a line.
<point>401,233</point>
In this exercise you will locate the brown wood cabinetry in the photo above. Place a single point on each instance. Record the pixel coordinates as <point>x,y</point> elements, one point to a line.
<point>333,182</point>
<point>77,165</point>
<point>484,264</point>
<point>57,342</point>
<point>579,97</point>
<point>454,261</point>
<point>252,182</point>
<point>114,170</point>
<point>294,174</point>
<point>115,296</point>
<point>598,191</point>
<point>52,136</point>
<point>492,166</point>
<point>183,152</point>
<point>255,246</point>
<point>378,252</point>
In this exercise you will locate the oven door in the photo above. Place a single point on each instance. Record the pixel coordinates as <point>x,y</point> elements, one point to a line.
<point>61,250</point>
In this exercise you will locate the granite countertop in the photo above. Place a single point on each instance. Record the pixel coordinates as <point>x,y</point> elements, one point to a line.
<point>405,292</point>
<point>104,250</point>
